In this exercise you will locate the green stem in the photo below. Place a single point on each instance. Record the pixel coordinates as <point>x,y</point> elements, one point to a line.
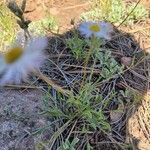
<point>92,47</point>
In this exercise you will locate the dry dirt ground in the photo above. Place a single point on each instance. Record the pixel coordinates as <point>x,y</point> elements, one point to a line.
<point>19,115</point>
<point>63,10</point>
<point>19,108</point>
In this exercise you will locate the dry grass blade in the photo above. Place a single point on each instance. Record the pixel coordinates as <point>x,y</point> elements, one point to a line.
<point>53,84</point>
<point>138,75</point>
<point>74,125</point>
<point>58,133</point>
<point>22,87</point>
<point>138,30</point>
<point>86,72</point>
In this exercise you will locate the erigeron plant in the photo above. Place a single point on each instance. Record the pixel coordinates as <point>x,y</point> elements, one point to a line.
<point>97,33</point>
<point>108,65</point>
<point>77,46</point>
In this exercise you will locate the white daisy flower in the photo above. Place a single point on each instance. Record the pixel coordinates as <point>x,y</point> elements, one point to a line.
<point>17,63</point>
<point>98,29</point>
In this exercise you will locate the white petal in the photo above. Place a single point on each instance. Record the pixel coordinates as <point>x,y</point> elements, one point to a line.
<point>7,78</point>
<point>32,59</point>
<point>2,64</point>
<point>34,54</point>
<point>103,34</point>
<point>107,26</point>
<point>84,28</point>
<point>106,29</point>
<point>37,44</point>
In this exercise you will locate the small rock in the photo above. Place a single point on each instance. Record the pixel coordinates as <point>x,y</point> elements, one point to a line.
<point>126,61</point>
<point>115,115</point>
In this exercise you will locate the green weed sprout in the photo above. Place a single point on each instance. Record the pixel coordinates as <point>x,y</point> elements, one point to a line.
<point>81,106</point>
<point>77,46</point>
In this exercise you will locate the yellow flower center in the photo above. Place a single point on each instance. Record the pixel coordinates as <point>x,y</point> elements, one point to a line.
<point>13,54</point>
<point>95,28</point>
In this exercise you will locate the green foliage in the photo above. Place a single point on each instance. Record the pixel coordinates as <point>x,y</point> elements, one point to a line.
<point>83,102</point>
<point>87,107</point>
<point>108,65</point>
<point>138,14</point>
<point>77,46</point>
<point>118,11</point>
<point>7,27</point>
<point>67,145</point>
<point>83,108</point>
<point>94,43</point>
<point>104,5</point>
<point>89,147</point>
<point>42,27</point>
<point>80,47</point>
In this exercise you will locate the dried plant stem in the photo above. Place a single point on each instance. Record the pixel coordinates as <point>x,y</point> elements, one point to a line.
<point>52,83</point>
<point>11,86</point>
<point>129,13</point>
